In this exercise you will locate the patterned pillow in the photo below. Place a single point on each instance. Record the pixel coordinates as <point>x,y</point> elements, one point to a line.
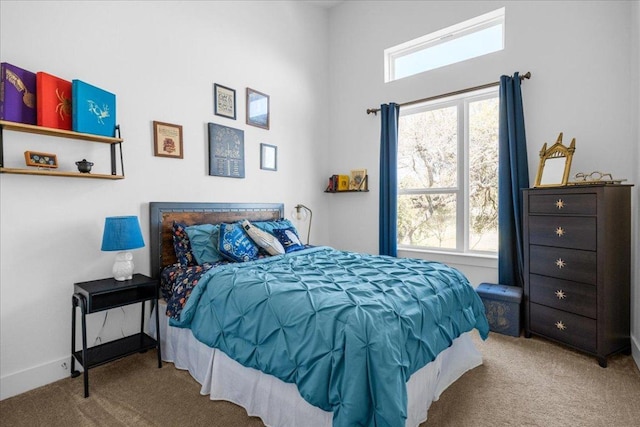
<point>269,226</point>
<point>204,243</point>
<point>289,239</point>
<point>235,245</point>
<point>182,245</point>
<point>266,241</point>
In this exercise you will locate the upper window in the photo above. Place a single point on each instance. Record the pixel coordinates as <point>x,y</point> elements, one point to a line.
<point>469,39</point>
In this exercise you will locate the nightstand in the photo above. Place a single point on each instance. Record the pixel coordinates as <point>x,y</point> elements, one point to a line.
<point>99,295</point>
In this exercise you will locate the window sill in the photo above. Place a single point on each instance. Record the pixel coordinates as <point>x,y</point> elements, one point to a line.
<point>475,260</point>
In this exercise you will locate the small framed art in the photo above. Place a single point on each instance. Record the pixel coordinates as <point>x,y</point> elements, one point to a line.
<point>167,140</point>
<point>226,151</point>
<point>41,160</point>
<point>268,157</point>
<point>224,101</point>
<point>358,180</point>
<point>257,109</point>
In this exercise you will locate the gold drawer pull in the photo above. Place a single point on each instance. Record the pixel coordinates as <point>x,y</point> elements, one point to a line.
<point>560,263</point>
<point>560,294</point>
<point>559,204</point>
<point>560,231</point>
<point>560,325</point>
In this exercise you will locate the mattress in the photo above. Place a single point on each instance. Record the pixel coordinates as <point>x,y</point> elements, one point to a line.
<point>278,403</point>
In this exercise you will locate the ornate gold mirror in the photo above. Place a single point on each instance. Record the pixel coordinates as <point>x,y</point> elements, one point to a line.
<point>555,164</point>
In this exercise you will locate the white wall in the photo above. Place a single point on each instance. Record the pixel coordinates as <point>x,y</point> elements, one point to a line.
<point>579,56</point>
<point>161,59</point>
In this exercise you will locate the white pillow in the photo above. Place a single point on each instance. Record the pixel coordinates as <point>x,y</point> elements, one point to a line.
<point>263,239</point>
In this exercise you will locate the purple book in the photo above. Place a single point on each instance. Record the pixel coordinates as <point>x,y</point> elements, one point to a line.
<point>17,94</point>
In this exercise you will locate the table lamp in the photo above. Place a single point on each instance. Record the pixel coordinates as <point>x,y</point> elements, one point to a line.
<point>300,214</point>
<point>122,233</point>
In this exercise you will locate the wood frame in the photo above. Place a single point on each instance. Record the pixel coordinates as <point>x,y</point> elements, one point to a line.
<point>167,140</point>
<point>268,157</point>
<point>163,214</point>
<point>224,101</point>
<point>256,103</point>
<point>41,160</point>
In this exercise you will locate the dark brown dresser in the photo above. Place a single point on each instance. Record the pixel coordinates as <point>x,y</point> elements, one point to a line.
<point>577,249</point>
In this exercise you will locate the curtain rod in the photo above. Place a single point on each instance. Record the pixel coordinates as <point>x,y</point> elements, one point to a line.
<point>445,95</point>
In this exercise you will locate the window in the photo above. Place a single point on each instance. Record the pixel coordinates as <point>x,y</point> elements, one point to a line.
<point>469,39</point>
<point>448,174</point>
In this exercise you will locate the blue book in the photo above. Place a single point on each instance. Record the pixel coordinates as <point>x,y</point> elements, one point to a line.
<point>93,109</point>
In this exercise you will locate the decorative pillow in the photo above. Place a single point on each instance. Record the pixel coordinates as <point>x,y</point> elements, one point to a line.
<point>289,239</point>
<point>204,242</point>
<point>269,226</point>
<point>234,244</point>
<point>182,246</point>
<point>263,239</point>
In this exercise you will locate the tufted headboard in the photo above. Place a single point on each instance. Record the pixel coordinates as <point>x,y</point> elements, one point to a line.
<point>162,215</point>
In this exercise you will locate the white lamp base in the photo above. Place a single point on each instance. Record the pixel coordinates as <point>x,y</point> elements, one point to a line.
<point>123,267</point>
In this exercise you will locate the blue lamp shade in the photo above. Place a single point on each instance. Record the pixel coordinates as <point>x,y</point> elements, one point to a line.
<point>122,233</point>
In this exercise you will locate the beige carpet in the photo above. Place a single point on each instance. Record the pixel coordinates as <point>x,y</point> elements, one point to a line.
<point>523,382</point>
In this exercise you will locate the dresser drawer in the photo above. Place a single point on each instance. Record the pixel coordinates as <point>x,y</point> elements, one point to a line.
<point>568,328</point>
<point>563,231</point>
<point>574,297</point>
<point>569,264</point>
<point>563,204</point>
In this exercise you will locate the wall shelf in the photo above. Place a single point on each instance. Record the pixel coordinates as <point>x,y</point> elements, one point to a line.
<point>61,133</point>
<point>347,191</point>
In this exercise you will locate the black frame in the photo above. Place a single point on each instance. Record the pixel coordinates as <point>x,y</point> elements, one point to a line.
<point>216,111</point>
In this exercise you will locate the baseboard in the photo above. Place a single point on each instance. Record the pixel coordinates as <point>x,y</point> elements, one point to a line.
<point>20,382</point>
<point>635,351</point>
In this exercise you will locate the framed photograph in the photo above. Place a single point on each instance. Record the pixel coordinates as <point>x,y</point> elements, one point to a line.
<point>226,151</point>
<point>268,157</point>
<point>41,160</point>
<point>358,180</point>
<point>257,109</point>
<point>167,140</point>
<point>224,101</point>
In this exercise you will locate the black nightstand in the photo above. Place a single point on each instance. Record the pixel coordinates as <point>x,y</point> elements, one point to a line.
<point>99,295</point>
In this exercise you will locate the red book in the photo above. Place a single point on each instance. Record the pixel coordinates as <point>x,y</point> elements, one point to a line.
<point>53,97</point>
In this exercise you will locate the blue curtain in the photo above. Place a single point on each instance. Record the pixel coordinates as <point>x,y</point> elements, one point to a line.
<point>389,179</point>
<point>513,176</point>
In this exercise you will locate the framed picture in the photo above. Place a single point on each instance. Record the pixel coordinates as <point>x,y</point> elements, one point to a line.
<point>257,109</point>
<point>226,151</point>
<point>167,140</point>
<point>224,101</point>
<point>358,180</point>
<point>41,160</point>
<point>268,157</point>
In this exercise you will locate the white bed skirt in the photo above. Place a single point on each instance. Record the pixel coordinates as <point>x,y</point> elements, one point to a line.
<point>279,404</point>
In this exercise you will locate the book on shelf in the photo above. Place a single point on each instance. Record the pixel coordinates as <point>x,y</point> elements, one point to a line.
<point>358,179</point>
<point>93,109</point>
<point>53,101</point>
<point>17,94</point>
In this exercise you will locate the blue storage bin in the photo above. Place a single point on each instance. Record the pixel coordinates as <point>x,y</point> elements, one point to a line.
<point>502,305</point>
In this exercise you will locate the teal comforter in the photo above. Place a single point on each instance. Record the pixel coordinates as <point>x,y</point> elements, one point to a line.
<point>348,329</point>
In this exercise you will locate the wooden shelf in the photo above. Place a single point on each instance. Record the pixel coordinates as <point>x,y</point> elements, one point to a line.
<point>58,173</point>
<point>347,191</point>
<point>21,127</point>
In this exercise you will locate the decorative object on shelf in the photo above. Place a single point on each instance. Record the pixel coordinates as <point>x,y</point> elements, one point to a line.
<point>167,140</point>
<point>18,89</point>
<point>268,157</point>
<point>93,109</point>
<point>226,151</point>
<point>358,179</point>
<point>224,101</point>
<point>257,109</point>
<point>343,182</point>
<point>555,164</point>
<point>300,213</point>
<point>594,177</point>
<point>122,233</point>
<point>84,166</point>
<point>41,160</point>
<point>53,101</point>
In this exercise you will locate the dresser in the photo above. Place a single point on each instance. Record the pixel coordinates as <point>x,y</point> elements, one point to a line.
<point>577,249</point>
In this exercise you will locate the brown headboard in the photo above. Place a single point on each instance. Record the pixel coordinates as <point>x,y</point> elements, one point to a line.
<point>162,215</point>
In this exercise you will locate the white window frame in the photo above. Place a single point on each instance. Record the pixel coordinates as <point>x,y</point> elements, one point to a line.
<point>461,190</point>
<point>471,26</point>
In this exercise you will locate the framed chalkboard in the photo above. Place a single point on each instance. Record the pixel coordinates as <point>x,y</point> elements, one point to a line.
<point>226,151</point>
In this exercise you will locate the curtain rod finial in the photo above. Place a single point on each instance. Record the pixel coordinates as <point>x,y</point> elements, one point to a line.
<point>527,75</point>
<point>372,110</point>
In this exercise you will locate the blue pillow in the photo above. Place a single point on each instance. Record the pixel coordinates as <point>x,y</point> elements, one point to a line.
<point>289,239</point>
<point>269,226</point>
<point>204,242</point>
<point>235,245</point>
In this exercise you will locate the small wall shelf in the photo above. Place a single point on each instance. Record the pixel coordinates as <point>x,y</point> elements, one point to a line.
<point>22,127</point>
<point>347,191</point>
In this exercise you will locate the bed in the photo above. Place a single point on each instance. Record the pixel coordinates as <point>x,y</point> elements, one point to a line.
<point>315,336</point>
